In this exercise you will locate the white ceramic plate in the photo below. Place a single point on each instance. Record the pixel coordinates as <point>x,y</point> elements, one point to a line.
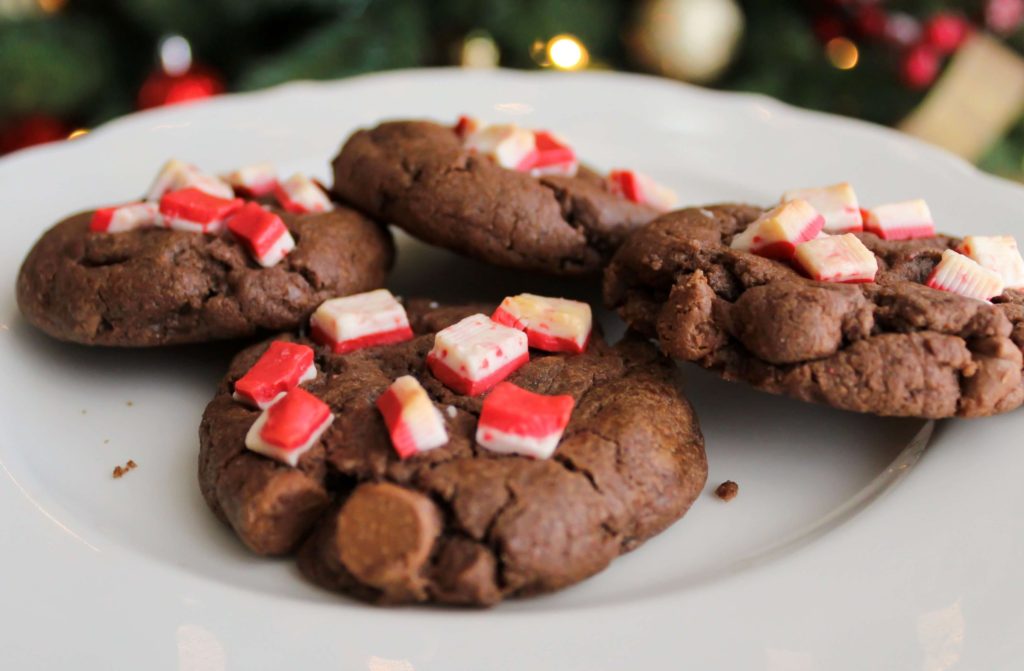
<point>844,550</point>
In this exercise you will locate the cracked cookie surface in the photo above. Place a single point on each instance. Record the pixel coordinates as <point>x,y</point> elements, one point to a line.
<point>890,347</point>
<point>416,175</point>
<point>161,287</point>
<point>459,524</point>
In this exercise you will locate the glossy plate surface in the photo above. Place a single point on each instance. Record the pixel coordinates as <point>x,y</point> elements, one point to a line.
<point>850,546</point>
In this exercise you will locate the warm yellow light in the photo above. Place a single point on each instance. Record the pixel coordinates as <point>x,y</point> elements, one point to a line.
<point>565,52</point>
<point>51,6</point>
<point>842,53</point>
<point>78,132</point>
<point>479,51</point>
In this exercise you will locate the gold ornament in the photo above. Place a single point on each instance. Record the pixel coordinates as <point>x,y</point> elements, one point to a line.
<point>693,40</point>
<point>479,51</point>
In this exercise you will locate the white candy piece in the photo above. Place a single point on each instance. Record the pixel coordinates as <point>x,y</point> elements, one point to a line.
<point>126,217</point>
<point>257,179</point>
<point>509,144</point>
<point>176,175</point>
<point>901,221</point>
<point>476,353</point>
<point>641,188</point>
<point>254,441</point>
<point>958,274</point>
<point>361,320</point>
<point>280,249</point>
<point>551,324</point>
<point>776,233</point>
<point>837,203</point>
<point>998,253</point>
<point>414,422</point>
<point>513,443</point>
<point>300,194</point>
<point>837,258</point>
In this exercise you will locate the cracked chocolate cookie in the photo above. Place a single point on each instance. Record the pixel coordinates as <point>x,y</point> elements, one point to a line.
<point>891,346</point>
<point>154,286</point>
<point>425,179</point>
<point>455,522</point>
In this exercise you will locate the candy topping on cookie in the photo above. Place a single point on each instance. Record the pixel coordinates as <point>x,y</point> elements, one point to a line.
<point>176,175</point>
<point>127,217</point>
<point>282,367</point>
<point>550,156</point>
<point>286,430</point>
<point>961,275</point>
<point>776,233</point>
<point>516,421</point>
<point>466,125</point>
<point>551,324</point>
<point>414,422</point>
<point>515,148</point>
<point>301,195</point>
<point>362,320</point>
<point>263,233</point>
<point>836,203</point>
<point>196,211</point>
<point>998,253</point>
<point>477,353</point>
<point>837,258</point>
<point>253,181</point>
<point>640,188</point>
<point>901,221</point>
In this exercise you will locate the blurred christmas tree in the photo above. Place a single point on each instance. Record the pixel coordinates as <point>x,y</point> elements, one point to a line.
<point>66,64</point>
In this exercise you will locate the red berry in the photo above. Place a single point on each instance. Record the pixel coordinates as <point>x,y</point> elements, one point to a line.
<point>946,31</point>
<point>920,66</point>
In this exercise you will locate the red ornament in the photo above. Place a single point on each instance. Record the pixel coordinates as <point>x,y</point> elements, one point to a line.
<point>946,31</point>
<point>1004,16</point>
<point>31,131</point>
<point>871,21</point>
<point>828,28</point>
<point>161,88</point>
<point>920,66</point>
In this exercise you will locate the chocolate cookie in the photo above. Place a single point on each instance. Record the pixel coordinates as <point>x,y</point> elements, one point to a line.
<point>460,524</point>
<point>157,286</point>
<point>418,176</point>
<point>889,347</point>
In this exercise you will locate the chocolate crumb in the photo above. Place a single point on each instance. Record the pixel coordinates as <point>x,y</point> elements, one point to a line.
<point>106,441</point>
<point>120,471</point>
<point>727,491</point>
<point>83,411</point>
<point>129,403</point>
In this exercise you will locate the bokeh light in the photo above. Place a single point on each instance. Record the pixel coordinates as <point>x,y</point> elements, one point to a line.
<point>842,53</point>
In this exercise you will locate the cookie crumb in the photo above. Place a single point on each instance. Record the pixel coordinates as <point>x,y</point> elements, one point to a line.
<point>727,491</point>
<point>120,471</point>
<point>106,441</point>
<point>451,411</point>
<point>129,403</point>
<point>83,411</point>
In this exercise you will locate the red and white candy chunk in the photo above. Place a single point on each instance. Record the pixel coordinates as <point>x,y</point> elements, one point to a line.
<point>900,221</point>
<point>287,429</point>
<point>516,421</point>
<point>776,233</point>
<point>127,217</point>
<point>465,126</point>
<point>539,153</point>
<point>284,366</point>
<point>263,233</point>
<point>998,253</point>
<point>477,353</point>
<point>301,195</point>
<point>551,324</point>
<point>640,188</point>
<point>196,211</point>
<point>253,181</point>
<point>176,175</point>
<point>837,258</point>
<point>414,422</point>
<point>361,320</point>
<point>961,275</point>
<point>836,203</point>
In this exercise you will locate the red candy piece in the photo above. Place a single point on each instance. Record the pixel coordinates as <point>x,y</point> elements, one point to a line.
<point>548,151</point>
<point>475,354</point>
<point>262,232</point>
<point>282,367</point>
<point>195,211</point>
<point>254,181</point>
<point>414,422</point>
<point>290,427</point>
<point>362,320</point>
<point>517,421</point>
<point>121,218</point>
<point>901,221</point>
<point>466,125</point>
<point>551,324</point>
<point>301,195</point>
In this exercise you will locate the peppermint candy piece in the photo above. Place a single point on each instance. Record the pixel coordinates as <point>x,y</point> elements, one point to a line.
<point>961,275</point>
<point>284,366</point>
<point>466,126</point>
<point>516,421</point>
<point>477,353</point>
<point>550,156</point>
<point>263,233</point>
<point>508,144</point>
<point>901,221</point>
<point>289,428</point>
<point>301,195</point>
<point>837,204</point>
<point>551,324</point>
<point>998,253</point>
<point>776,233</point>
<point>196,211</point>
<point>253,181</point>
<point>127,217</point>
<point>414,422</point>
<point>362,320</point>
<point>176,175</point>
<point>837,258</point>
<point>640,188</point>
